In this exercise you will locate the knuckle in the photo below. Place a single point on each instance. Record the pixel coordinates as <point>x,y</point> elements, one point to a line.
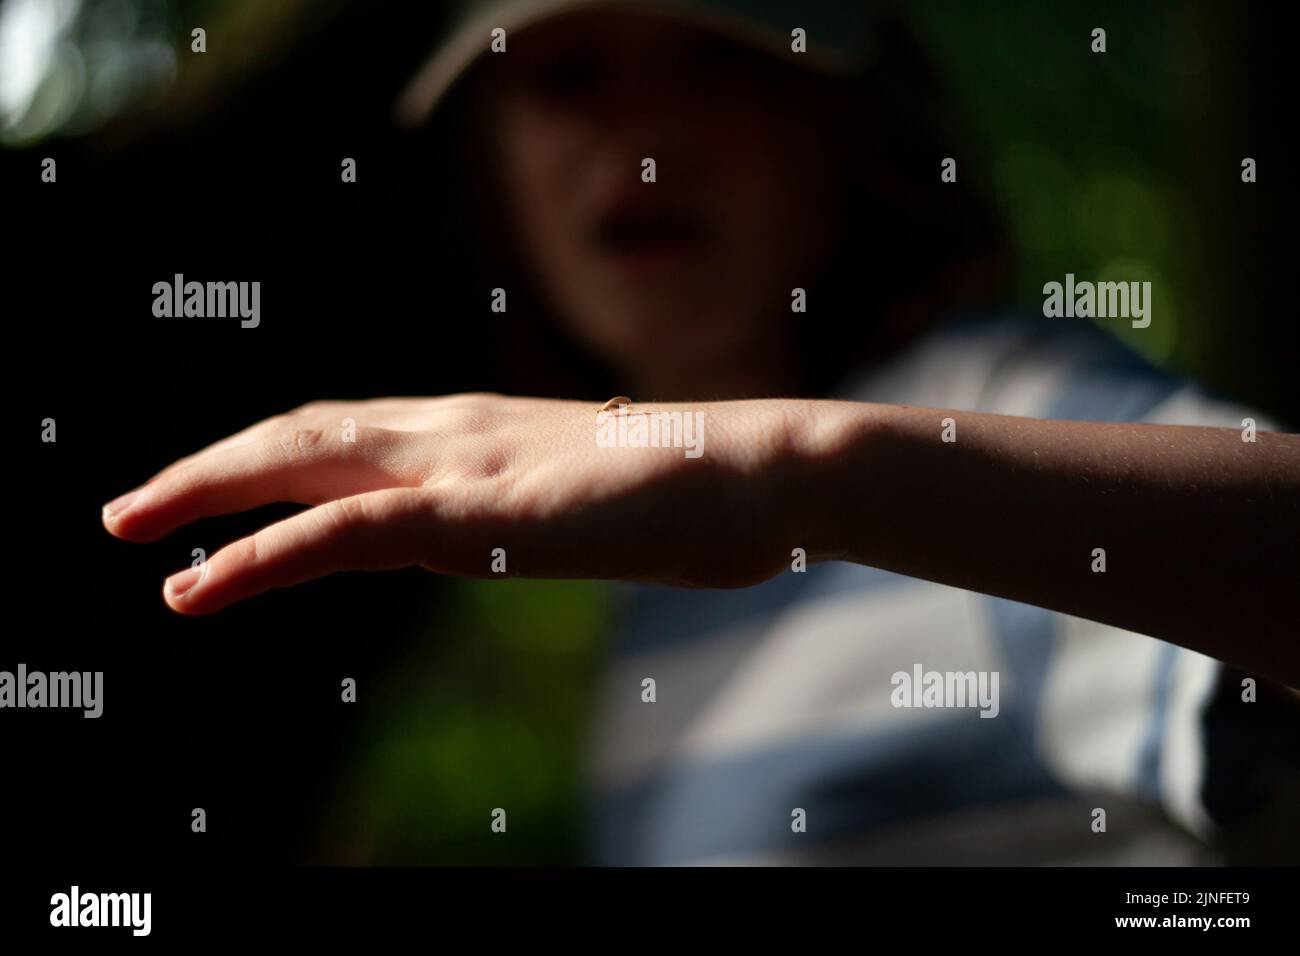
<point>245,552</point>
<point>345,513</point>
<point>344,520</point>
<point>295,441</point>
<point>181,480</point>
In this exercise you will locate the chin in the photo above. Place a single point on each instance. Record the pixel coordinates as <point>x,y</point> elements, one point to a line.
<point>632,328</point>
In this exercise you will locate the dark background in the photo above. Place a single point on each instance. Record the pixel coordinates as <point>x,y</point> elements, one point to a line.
<point>232,173</point>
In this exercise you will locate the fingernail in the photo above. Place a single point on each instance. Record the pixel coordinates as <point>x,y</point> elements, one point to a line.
<point>182,581</point>
<point>118,505</point>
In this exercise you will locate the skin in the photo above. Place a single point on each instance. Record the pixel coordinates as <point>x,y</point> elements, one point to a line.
<point>1200,528</point>
<point>742,153</point>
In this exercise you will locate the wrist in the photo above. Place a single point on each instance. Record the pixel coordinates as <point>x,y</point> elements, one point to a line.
<point>842,450</point>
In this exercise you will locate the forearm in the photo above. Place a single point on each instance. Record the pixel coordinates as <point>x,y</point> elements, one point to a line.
<point>1200,530</point>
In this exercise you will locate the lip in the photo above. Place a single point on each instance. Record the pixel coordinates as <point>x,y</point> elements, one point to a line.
<point>641,238</point>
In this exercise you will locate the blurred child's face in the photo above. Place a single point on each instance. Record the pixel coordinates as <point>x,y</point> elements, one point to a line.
<point>693,271</point>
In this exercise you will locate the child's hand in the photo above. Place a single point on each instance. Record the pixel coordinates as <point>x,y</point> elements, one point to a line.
<point>444,482</point>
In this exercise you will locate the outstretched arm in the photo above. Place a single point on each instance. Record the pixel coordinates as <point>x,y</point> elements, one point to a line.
<point>1198,530</point>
